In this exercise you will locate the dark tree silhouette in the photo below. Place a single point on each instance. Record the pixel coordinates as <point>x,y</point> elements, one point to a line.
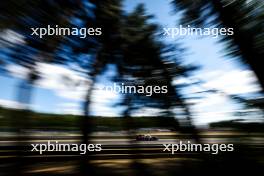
<point>147,61</point>
<point>245,17</point>
<point>20,17</point>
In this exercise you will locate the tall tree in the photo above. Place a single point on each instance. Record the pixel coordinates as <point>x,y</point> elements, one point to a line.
<point>105,50</point>
<point>19,17</point>
<point>245,17</point>
<point>147,61</point>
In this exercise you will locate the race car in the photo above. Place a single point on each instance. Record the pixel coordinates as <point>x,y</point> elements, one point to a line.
<point>146,138</point>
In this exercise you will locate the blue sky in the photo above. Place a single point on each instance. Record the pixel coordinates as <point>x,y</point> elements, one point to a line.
<point>217,70</point>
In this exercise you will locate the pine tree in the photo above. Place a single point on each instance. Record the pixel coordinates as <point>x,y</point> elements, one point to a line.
<point>245,17</point>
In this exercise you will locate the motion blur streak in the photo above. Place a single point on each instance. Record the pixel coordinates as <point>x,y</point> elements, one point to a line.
<point>51,87</point>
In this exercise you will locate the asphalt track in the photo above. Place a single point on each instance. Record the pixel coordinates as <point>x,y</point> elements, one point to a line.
<point>113,147</point>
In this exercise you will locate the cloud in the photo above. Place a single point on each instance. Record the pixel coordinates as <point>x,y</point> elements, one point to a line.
<point>209,117</point>
<point>10,38</point>
<point>213,107</point>
<point>12,104</point>
<point>73,86</point>
<point>64,82</point>
<point>17,71</point>
<point>233,82</point>
<point>210,101</point>
<point>103,101</point>
<point>182,80</point>
<point>101,105</point>
<point>70,85</point>
<point>146,111</point>
<point>69,108</point>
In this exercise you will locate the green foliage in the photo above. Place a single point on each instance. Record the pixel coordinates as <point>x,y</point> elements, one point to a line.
<point>57,122</point>
<point>239,125</point>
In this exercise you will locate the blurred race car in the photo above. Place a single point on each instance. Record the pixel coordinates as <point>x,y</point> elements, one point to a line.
<point>146,138</point>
